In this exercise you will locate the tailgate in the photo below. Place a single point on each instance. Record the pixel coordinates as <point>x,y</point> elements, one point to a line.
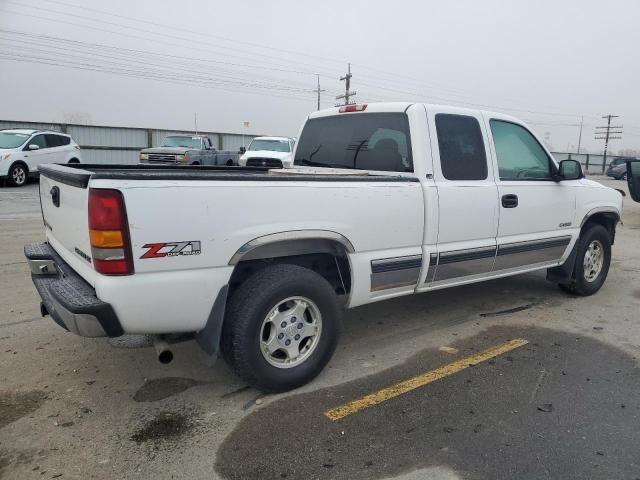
<point>64,199</point>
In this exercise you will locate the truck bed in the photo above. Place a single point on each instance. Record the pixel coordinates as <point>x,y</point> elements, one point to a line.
<point>78,175</point>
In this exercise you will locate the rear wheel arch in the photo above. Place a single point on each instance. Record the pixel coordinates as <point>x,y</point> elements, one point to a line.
<point>73,160</point>
<point>325,252</point>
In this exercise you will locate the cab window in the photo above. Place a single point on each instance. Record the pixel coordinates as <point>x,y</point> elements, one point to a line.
<point>520,156</point>
<point>362,141</point>
<point>462,155</point>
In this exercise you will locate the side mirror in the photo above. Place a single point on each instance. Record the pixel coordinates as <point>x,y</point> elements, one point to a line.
<point>33,146</point>
<point>633,179</point>
<point>570,170</point>
<point>243,150</point>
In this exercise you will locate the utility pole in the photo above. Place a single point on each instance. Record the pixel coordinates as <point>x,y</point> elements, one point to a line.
<point>580,134</point>
<point>347,86</point>
<point>318,91</point>
<point>195,121</point>
<point>607,133</point>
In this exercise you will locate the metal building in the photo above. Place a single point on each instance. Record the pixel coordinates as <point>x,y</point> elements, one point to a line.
<point>105,144</point>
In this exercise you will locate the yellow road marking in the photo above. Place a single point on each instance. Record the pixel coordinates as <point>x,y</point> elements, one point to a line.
<point>387,393</point>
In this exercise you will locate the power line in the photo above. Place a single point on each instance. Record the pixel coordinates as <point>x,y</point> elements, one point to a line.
<point>138,37</point>
<point>606,133</point>
<point>271,64</point>
<point>319,91</point>
<point>253,54</point>
<point>194,32</point>
<point>347,88</point>
<point>395,75</point>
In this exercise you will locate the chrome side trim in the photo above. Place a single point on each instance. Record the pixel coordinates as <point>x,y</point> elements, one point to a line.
<point>397,263</point>
<point>463,263</point>
<point>518,247</point>
<point>522,254</point>
<point>466,255</point>
<point>289,236</point>
<point>395,272</point>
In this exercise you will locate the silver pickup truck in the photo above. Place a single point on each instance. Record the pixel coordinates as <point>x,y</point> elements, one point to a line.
<point>188,150</point>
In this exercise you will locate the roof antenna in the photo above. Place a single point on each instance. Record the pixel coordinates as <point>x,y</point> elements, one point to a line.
<point>195,121</point>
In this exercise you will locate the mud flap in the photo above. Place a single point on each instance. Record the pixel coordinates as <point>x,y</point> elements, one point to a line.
<point>209,337</point>
<point>565,273</point>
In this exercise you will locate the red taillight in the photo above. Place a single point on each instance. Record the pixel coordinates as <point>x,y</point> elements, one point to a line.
<point>109,233</point>
<point>353,108</point>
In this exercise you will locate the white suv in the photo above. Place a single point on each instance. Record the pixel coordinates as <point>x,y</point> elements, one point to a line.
<point>22,151</point>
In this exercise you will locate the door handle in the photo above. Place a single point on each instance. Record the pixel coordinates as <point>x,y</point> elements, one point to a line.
<point>510,201</point>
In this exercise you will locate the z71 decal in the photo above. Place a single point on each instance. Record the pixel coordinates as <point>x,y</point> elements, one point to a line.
<point>171,249</point>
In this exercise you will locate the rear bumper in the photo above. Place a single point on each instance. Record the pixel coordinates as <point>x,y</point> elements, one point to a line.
<point>71,302</point>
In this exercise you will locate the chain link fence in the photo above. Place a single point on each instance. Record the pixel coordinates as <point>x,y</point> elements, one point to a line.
<point>593,164</point>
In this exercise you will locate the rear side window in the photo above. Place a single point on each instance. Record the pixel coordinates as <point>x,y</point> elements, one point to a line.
<point>361,141</point>
<point>57,140</point>
<point>520,156</point>
<point>462,154</point>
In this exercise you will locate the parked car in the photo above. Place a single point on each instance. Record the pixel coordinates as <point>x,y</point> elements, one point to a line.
<point>22,151</point>
<point>188,150</point>
<point>617,168</point>
<point>273,152</point>
<point>384,200</point>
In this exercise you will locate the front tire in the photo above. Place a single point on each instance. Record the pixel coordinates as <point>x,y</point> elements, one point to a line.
<point>18,175</point>
<point>593,259</point>
<point>281,328</point>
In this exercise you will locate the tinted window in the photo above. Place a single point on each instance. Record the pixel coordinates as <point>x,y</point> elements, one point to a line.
<point>57,140</point>
<point>37,140</point>
<point>361,141</point>
<point>520,156</point>
<point>462,154</point>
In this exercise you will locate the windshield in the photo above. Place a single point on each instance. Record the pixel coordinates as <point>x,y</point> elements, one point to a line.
<point>270,145</point>
<point>370,141</point>
<point>12,140</point>
<point>181,141</point>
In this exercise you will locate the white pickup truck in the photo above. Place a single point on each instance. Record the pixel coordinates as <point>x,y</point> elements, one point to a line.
<point>384,200</point>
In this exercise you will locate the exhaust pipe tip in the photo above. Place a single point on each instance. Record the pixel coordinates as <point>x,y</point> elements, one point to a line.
<point>164,353</point>
<point>165,357</point>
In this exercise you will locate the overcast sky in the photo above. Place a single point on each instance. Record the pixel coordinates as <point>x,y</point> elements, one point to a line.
<point>154,63</point>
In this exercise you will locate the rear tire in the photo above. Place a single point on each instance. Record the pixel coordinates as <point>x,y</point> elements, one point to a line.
<point>261,317</point>
<point>593,259</point>
<point>18,175</point>
<point>74,160</point>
